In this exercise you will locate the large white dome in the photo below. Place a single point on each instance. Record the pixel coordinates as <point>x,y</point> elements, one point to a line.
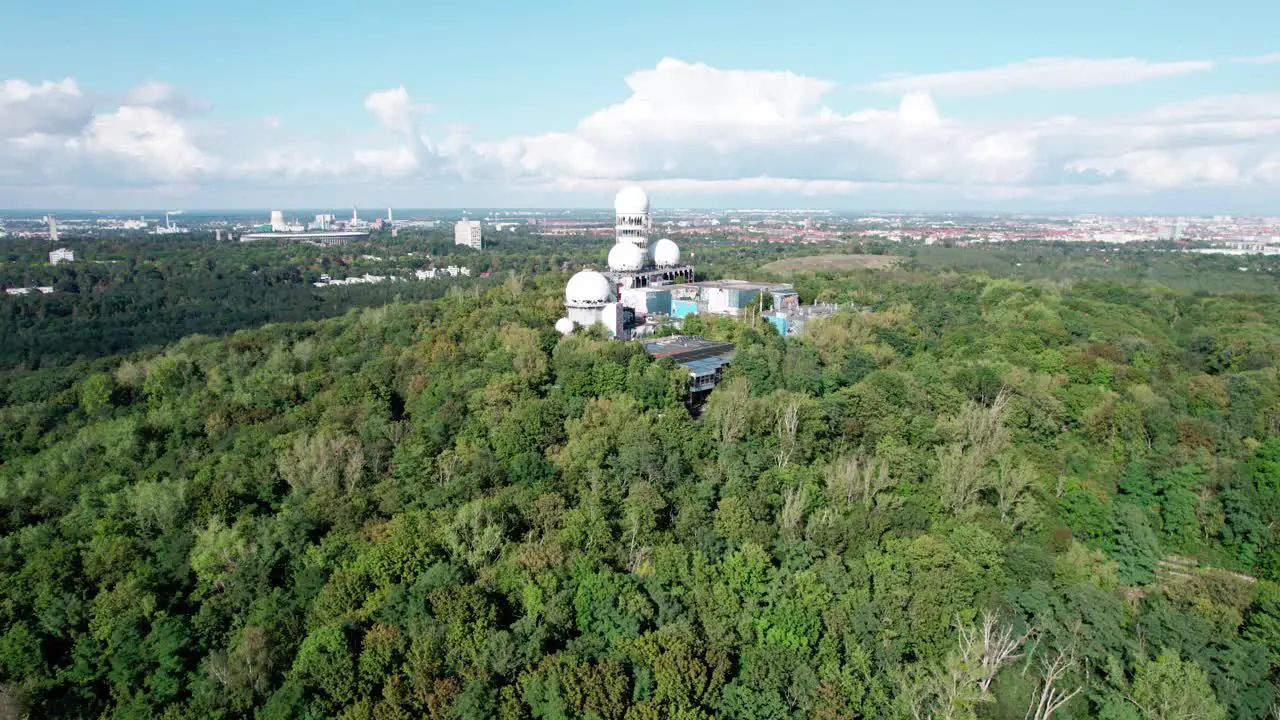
<point>625,257</point>
<point>588,288</point>
<point>631,200</point>
<point>564,326</point>
<point>666,253</point>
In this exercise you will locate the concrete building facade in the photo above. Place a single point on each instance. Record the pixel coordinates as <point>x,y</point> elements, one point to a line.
<point>468,233</point>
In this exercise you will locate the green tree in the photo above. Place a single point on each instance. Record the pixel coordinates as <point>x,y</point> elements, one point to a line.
<point>1170,688</point>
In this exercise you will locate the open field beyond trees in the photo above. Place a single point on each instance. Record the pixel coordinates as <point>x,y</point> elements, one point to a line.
<point>819,263</point>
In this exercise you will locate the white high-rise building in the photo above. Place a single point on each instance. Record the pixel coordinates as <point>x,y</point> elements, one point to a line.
<point>61,255</point>
<point>53,228</point>
<point>277,221</point>
<point>467,232</point>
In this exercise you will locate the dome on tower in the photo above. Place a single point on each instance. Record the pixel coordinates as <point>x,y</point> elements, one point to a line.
<point>625,257</point>
<point>666,253</point>
<point>588,288</point>
<point>564,326</point>
<point>631,200</point>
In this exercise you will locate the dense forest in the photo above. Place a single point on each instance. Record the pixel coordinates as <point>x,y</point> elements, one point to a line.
<point>981,497</point>
<point>127,293</point>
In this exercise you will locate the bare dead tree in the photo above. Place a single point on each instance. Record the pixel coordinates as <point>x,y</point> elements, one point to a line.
<point>1014,479</point>
<point>395,431</point>
<point>1049,698</point>
<point>953,688</point>
<point>788,424</point>
<point>729,409</point>
<point>963,465</point>
<point>988,647</point>
<point>842,479</point>
<point>447,465</point>
<point>794,504</point>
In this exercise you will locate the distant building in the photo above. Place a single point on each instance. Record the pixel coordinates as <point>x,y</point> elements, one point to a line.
<point>721,297</point>
<point>278,229</point>
<point>1170,232</point>
<point>53,228</point>
<point>792,320</point>
<point>61,255</point>
<point>330,237</point>
<point>467,232</point>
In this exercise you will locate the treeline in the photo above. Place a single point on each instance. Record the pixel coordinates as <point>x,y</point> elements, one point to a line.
<point>126,293</point>
<point>980,499</point>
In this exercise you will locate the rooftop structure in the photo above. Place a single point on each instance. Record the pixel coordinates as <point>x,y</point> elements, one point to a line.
<point>653,264</point>
<point>792,320</point>
<point>631,212</point>
<point>704,359</point>
<point>588,289</point>
<point>720,297</point>
<point>615,298</point>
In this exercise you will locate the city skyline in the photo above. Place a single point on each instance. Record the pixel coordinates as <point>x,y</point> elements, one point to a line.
<point>1147,108</point>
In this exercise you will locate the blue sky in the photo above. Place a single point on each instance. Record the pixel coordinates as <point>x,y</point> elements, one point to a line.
<point>1067,106</point>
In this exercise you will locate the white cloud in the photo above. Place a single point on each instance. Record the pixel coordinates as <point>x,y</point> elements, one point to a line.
<point>393,109</point>
<point>153,144</point>
<point>51,108</point>
<point>684,128</point>
<point>1049,73</point>
<point>1260,59</point>
<point>693,121</point>
<point>687,122</point>
<point>164,97</point>
<point>918,109</point>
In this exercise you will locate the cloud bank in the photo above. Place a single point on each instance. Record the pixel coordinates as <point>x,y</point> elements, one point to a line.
<point>684,126</point>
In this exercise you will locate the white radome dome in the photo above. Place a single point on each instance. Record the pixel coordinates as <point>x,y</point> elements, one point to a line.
<point>625,257</point>
<point>588,288</point>
<point>666,253</point>
<point>631,200</point>
<point>565,326</point>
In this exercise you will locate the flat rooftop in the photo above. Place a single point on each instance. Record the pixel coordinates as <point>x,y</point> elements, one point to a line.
<point>738,285</point>
<point>687,348</point>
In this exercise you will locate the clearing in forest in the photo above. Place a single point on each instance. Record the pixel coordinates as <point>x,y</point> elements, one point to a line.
<point>820,263</point>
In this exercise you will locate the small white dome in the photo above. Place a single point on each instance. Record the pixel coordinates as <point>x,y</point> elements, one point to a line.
<point>631,200</point>
<point>666,253</point>
<point>564,326</point>
<point>588,288</point>
<point>625,257</point>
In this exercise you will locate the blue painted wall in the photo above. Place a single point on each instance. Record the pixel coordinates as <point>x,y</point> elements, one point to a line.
<point>683,308</point>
